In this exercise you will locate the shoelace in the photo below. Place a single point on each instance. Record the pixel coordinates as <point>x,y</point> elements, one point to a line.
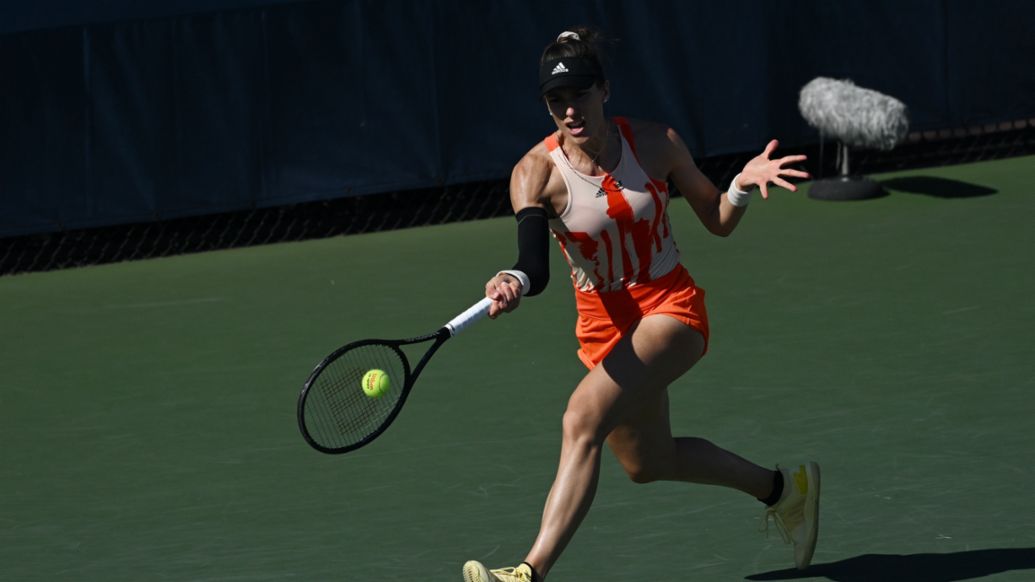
<point>780,526</point>
<point>512,572</point>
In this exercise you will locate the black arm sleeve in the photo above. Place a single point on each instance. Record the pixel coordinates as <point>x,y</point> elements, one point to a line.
<point>533,248</point>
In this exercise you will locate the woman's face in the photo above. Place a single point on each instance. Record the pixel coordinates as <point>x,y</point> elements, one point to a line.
<point>578,113</point>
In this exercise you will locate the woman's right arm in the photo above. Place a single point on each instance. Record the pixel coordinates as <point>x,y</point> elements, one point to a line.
<point>529,198</point>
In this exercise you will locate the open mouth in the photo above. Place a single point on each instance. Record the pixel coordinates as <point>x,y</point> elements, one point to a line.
<point>577,127</point>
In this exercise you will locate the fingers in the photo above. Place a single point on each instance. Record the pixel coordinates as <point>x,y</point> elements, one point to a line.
<point>509,288</point>
<point>503,288</point>
<point>498,292</point>
<point>492,292</point>
<point>763,185</point>
<point>795,174</point>
<point>770,148</point>
<point>784,184</point>
<point>777,180</point>
<point>499,304</point>
<point>504,292</point>
<point>763,171</point>
<point>791,159</point>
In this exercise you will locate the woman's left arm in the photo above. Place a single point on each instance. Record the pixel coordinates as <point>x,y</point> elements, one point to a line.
<point>721,211</point>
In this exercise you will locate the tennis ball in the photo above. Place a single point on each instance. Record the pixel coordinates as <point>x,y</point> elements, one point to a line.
<point>376,383</point>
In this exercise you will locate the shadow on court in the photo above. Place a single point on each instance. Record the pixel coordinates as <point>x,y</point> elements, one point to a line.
<point>914,567</point>
<point>937,187</point>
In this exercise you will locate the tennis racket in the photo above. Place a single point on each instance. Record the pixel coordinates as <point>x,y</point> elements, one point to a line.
<point>336,416</point>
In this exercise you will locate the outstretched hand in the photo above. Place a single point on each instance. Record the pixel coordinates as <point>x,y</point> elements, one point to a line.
<point>761,170</point>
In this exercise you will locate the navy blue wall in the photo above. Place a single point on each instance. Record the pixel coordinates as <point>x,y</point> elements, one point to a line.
<point>123,113</point>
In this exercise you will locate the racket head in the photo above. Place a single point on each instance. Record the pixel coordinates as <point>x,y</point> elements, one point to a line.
<point>335,415</point>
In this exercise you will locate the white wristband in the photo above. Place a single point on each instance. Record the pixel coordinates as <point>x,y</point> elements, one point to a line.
<point>736,196</point>
<point>521,277</point>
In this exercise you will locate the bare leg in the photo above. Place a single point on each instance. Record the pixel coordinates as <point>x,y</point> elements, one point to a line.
<point>656,352</point>
<point>699,461</point>
<point>646,449</point>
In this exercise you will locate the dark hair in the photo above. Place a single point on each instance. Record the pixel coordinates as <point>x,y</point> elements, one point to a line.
<point>588,45</point>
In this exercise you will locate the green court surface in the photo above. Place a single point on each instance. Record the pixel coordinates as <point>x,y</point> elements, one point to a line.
<point>147,409</point>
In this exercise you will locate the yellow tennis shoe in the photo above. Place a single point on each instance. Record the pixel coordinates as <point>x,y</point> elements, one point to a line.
<point>796,514</point>
<point>476,572</point>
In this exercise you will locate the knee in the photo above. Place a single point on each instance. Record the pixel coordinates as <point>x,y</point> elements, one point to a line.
<point>580,427</point>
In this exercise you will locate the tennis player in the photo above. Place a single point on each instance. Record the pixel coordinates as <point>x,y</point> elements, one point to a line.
<point>600,186</point>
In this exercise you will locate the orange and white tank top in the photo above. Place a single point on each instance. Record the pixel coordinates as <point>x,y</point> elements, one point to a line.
<point>614,231</point>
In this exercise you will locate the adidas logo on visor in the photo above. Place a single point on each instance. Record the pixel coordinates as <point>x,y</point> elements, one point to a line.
<point>560,68</point>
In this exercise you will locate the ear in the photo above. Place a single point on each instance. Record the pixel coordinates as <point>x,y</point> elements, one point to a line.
<point>607,90</point>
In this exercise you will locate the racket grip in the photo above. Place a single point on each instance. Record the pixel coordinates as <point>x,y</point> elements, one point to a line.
<point>465,319</point>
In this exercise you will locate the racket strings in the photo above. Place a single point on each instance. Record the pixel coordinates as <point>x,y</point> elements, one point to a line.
<point>338,413</point>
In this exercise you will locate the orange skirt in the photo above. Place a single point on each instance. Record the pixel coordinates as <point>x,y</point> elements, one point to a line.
<point>604,317</point>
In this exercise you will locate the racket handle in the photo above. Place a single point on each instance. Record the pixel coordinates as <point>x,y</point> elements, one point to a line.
<point>465,319</point>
